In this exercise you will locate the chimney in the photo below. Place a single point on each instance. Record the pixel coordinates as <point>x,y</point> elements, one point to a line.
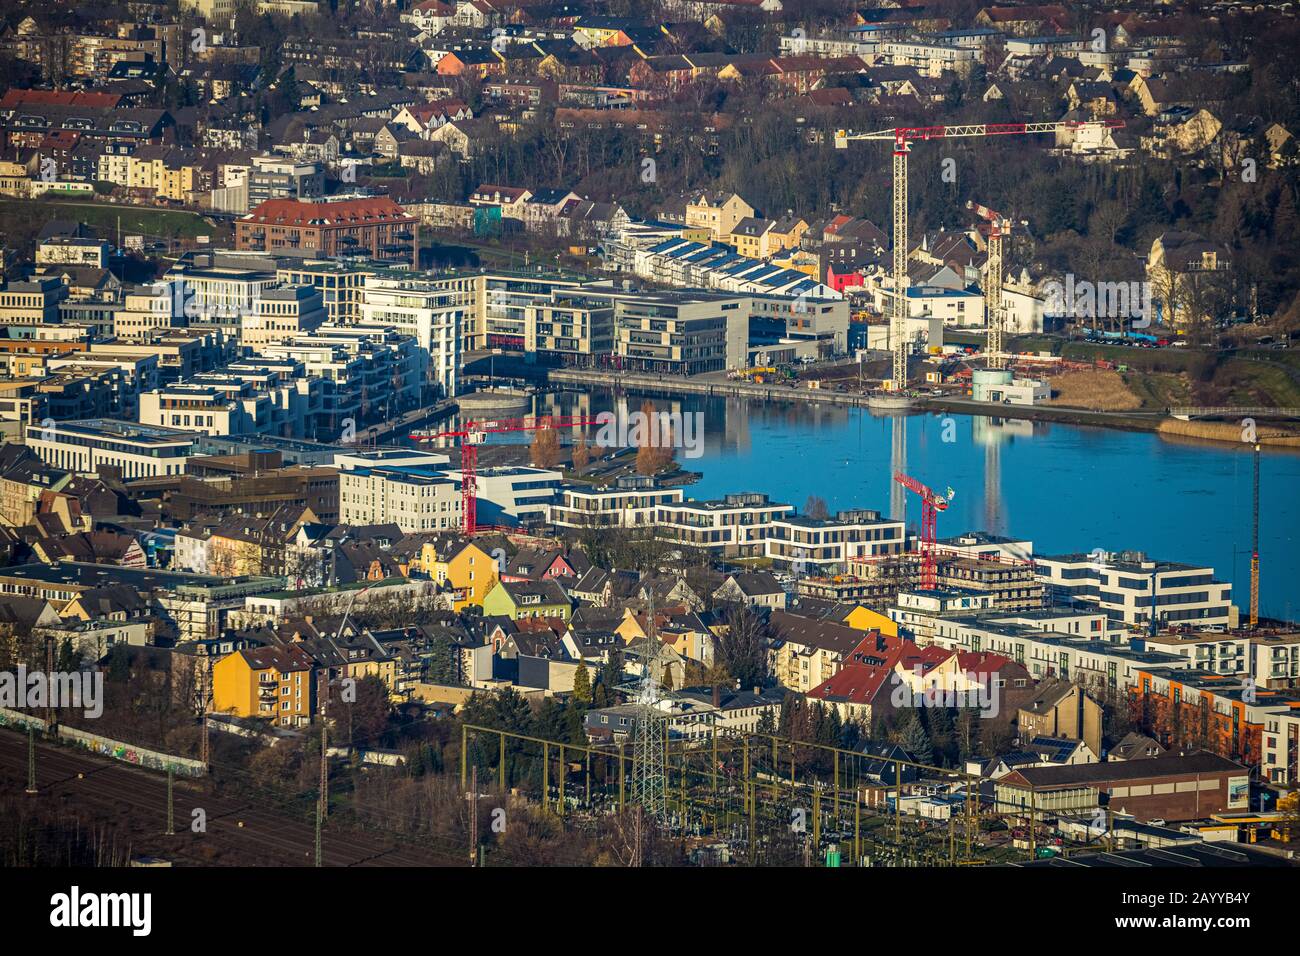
<point>717,695</point>
<point>757,691</point>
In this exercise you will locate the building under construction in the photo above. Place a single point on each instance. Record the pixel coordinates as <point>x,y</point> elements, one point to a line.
<point>877,582</point>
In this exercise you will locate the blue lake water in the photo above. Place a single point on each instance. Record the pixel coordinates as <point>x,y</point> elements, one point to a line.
<point>1064,487</point>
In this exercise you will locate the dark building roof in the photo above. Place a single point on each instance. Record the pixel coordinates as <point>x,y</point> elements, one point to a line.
<point>1093,774</point>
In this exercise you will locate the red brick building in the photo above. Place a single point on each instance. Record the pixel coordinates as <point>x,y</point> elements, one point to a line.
<point>375,226</point>
<point>1192,787</point>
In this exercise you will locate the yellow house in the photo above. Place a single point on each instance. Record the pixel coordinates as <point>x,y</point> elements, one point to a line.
<point>788,232</point>
<point>463,565</point>
<point>273,683</point>
<point>752,238</point>
<point>688,636</point>
<point>592,34</point>
<point>631,628</point>
<point>384,668</point>
<point>717,212</point>
<point>800,260</point>
<point>14,180</point>
<point>231,554</point>
<point>161,169</point>
<point>528,599</point>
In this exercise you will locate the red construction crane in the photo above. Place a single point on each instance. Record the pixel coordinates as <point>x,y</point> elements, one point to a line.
<point>931,504</point>
<point>902,138</point>
<point>472,434</point>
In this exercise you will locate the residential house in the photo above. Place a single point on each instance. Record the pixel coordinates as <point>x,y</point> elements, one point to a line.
<point>273,683</point>
<point>524,599</point>
<point>754,588</point>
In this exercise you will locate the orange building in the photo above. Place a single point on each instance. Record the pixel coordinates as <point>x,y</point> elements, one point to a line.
<point>1201,710</point>
<point>273,683</point>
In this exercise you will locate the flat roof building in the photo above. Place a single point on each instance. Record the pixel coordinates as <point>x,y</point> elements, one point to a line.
<point>135,450</point>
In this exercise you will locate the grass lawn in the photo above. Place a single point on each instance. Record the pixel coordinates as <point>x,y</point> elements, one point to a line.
<point>1159,389</point>
<point>1257,383</point>
<point>24,218</point>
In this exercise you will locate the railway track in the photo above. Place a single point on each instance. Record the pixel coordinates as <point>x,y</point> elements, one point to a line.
<point>134,801</point>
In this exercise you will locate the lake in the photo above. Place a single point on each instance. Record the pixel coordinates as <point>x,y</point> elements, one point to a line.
<point>1064,487</point>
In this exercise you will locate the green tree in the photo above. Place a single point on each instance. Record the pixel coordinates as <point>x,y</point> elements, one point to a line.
<point>582,685</point>
<point>68,660</point>
<point>911,736</point>
<point>742,648</point>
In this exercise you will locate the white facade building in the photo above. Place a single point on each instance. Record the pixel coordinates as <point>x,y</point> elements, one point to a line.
<point>413,499</point>
<point>1130,588</point>
<point>136,450</point>
<point>427,312</point>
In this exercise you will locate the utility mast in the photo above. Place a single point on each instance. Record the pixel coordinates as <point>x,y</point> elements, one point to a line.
<point>649,782</point>
<point>1254,548</point>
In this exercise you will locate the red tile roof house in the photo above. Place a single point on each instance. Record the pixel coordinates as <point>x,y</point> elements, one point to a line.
<point>882,673</point>
<point>351,226</point>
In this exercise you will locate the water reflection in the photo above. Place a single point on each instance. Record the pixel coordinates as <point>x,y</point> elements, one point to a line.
<point>1066,488</point>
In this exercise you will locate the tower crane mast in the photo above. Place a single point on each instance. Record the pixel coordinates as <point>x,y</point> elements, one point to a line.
<point>474,433</point>
<point>999,229</point>
<point>902,138</point>
<point>931,504</point>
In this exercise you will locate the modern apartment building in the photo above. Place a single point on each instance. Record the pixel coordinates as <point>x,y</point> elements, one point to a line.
<point>735,526</point>
<point>681,333</point>
<point>500,309</point>
<point>820,545</point>
<point>517,492</point>
<point>209,405</point>
<point>209,290</point>
<point>930,59</point>
<point>31,303</point>
<point>1275,660</point>
<point>1225,654</point>
<point>281,314</point>
<point>414,499</point>
<point>339,285</point>
<point>427,312</point>
<point>632,502</point>
<point>738,525</point>
<point>136,450</point>
<point>1133,589</point>
<point>255,395</point>
<point>279,177</point>
<point>365,373</point>
<point>1052,644</point>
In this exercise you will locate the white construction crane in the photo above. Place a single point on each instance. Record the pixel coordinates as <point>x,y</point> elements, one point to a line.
<point>903,137</point>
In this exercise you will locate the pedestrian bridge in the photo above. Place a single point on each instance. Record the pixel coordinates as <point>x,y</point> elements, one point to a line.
<point>1230,413</point>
